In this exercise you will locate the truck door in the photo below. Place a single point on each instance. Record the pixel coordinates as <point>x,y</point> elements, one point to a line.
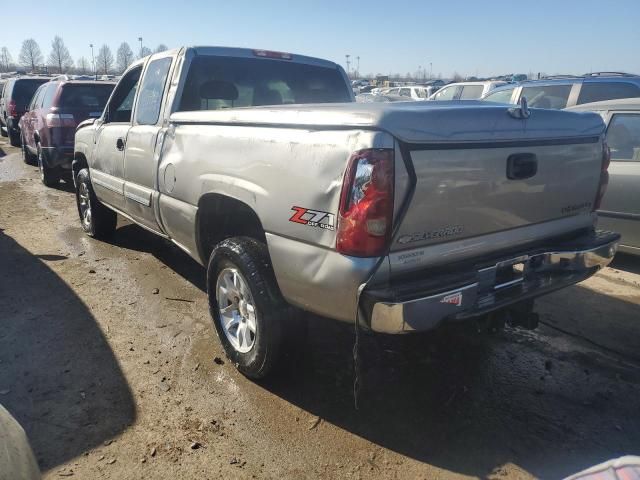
<point>140,160</point>
<point>107,171</point>
<point>620,210</point>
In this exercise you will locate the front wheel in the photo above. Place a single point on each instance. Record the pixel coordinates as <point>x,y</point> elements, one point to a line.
<point>97,220</point>
<point>245,303</point>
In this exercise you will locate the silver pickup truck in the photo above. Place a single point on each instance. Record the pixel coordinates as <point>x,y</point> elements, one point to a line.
<point>396,216</point>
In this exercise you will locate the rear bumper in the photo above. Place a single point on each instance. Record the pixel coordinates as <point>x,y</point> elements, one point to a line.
<point>508,281</point>
<point>58,157</point>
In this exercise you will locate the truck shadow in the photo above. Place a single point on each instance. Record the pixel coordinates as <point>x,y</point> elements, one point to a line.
<point>627,262</point>
<point>135,238</point>
<point>58,375</point>
<point>473,404</point>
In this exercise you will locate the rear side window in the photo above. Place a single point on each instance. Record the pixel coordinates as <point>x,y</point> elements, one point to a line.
<point>23,90</point>
<point>623,137</point>
<point>547,96</point>
<point>447,93</point>
<point>471,92</point>
<point>599,91</point>
<point>501,96</point>
<point>50,93</point>
<point>226,82</point>
<point>85,96</point>
<point>36,101</point>
<point>150,97</point>
<point>421,92</point>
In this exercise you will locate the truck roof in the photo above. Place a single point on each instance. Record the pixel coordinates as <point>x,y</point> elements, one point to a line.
<point>248,53</point>
<point>413,122</point>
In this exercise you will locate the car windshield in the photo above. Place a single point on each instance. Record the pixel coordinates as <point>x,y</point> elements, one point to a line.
<point>226,82</point>
<point>87,96</point>
<point>23,90</point>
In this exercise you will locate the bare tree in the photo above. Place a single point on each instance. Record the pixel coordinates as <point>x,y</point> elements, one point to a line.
<point>5,59</point>
<point>30,55</point>
<point>59,57</point>
<point>456,77</point>
<point>124,56</point>
<point>161,48</point>
<point>145,51</point>
<point>83,65</point>
<point>104,60</point>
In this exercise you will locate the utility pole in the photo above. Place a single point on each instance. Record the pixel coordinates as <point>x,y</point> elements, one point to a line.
<point>348,63</point>
<point>358,70</point>
<point>93,62</point>
<point>140,40</point>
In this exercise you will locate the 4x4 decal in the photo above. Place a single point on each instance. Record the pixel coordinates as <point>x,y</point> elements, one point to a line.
<point>313,218</point>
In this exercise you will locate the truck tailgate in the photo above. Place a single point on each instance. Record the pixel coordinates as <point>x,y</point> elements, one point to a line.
<point>472,190</point>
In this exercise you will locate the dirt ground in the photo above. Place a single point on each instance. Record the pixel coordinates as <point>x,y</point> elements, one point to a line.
<point>113,379</point>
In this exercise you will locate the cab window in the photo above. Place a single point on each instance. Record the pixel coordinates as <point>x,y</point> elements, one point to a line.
<point>151,91</point>
<point>623,137</point>
<point>121,104</point>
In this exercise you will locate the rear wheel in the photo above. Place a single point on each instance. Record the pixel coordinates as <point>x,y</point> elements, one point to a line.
<point>97,220</point>
<point>27,157</point>
<point>245,303</point>
<point>14,137</point>
<point>50,176</point>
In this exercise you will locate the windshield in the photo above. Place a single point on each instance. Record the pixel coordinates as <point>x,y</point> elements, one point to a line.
<point>225,82</point>
<point>86,97</point>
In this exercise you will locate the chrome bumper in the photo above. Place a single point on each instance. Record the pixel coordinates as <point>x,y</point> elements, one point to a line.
<point>499,285</point>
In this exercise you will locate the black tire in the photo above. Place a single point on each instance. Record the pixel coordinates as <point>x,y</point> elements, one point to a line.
<point>14,138</point>
<point>50,177</point>
<point>251,258</point>
<point>102,221</point>
<point>27,157</point>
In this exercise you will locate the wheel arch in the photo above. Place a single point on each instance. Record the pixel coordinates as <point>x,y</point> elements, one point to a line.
<point>222,216</point>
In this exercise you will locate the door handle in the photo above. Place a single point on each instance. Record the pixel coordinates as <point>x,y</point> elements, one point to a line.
<point>120,144</point>
<point>521,166</point>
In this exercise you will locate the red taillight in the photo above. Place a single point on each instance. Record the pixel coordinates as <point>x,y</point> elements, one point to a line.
<point>13,111</point>
<point>60,120</point>
<point>604,176</point>
<point>270,54</point>
<point>366,204</point>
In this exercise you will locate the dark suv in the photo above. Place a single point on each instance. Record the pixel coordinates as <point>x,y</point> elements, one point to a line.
<point>16,95</point>
<point>48,127</point>
<point>567,91</point>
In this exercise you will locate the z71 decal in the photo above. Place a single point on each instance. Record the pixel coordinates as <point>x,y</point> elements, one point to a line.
<point>313,218</point>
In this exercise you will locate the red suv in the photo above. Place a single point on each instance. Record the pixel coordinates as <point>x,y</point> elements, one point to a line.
<point>48,128</point>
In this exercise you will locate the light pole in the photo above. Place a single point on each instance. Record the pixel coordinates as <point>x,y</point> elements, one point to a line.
<point>140,40</point>
<point>358,70</point>
<point>348,63</point>
<point>93,62</point>
<point>430,71</point>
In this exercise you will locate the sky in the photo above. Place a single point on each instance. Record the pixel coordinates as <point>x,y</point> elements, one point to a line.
<point>469,37</point>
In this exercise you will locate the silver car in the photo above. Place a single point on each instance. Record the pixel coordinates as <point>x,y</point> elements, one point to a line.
<point>620,210</point>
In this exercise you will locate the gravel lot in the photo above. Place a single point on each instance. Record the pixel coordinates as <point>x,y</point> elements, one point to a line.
<point>110,362</point>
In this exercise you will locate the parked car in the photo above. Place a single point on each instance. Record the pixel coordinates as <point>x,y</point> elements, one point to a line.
<point>47,129</point>
<point>466,90</point>
<point>620,210</point>
<point>567,91</point>
<point>396,217</point>
<point>16,95</point>
<point>415,93</point>
<point>380,98</point>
